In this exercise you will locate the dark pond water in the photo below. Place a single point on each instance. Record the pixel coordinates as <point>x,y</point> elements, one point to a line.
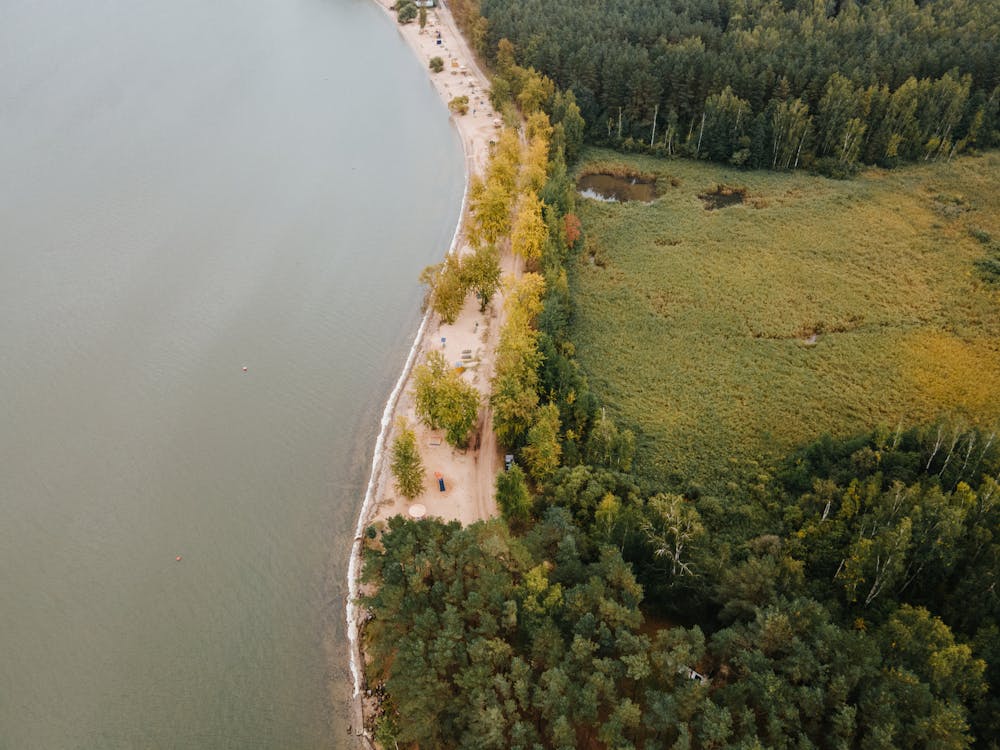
<point>613,189</point>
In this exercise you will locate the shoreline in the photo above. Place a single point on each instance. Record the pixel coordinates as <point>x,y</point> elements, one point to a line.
<point>474,131</point>
<point>378,466</point>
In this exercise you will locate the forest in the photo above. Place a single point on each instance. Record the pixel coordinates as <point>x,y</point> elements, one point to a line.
<point>843,595</point>
<point>768,84</point>
<point>848,603</point>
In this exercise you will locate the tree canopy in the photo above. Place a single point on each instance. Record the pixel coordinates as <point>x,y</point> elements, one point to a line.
<point>444,400</point>
<point>760,83</point>
<point>407,466</point>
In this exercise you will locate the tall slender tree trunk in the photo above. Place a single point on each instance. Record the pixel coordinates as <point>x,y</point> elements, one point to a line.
<point>799,150</point>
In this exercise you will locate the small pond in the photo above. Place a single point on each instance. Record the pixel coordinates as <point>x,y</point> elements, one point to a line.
<point>613,189</point>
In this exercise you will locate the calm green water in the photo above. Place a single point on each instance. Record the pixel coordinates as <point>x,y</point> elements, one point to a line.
<point>188,188</point>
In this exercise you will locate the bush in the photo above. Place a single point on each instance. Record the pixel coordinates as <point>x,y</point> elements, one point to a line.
<point>406,11</point>
<point>459,105</point>
<point>436,64</point>
<point>835,169</point>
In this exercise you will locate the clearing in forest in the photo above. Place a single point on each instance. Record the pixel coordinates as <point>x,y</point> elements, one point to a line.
<point>726,337</point>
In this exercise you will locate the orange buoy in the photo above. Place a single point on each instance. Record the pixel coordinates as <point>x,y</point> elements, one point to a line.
<point>178,558</point>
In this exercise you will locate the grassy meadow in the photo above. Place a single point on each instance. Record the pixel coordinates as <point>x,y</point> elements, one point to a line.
<point>726,337</point>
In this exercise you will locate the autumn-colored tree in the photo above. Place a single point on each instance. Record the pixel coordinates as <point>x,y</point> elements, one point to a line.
<point>481,273</point>
<point>573,229</point>
<point>426,391</point>
<point>407,466</point>
<point>505,57</point>
<point>514,404</point>
<point>446,288</point>
<point>490,203</point>
<point>538,126</point>
<point>506,160</point>
<point>922,644</point>
<point>522,304</point>
<point>535,162</point>
<point>491,200</point>
<point>529,231</point>
<point>608,447</point>
<point>534,171</point>
<point>514,395</point>
<point>536,91</point>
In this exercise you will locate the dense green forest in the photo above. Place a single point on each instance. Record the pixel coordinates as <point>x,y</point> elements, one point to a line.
<point>765,83</point>
<point>849,601</point>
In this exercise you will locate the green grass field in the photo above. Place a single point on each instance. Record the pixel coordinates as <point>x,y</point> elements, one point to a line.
<point>725,338</point>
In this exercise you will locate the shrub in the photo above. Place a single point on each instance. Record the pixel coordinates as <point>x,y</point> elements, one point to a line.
<point>436,64</point>
<point>406,11</point>
<point>573,228</point>
<point>459,105</point>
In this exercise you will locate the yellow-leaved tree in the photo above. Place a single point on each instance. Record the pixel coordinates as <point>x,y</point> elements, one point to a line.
<point>490,203</point>
<point>536,91</point>
<point>491,200</point>
<point>535,166</point>
<point>506,160</point>
<point>529,231</point>
<point>446,288</point>
<point>515,382</point>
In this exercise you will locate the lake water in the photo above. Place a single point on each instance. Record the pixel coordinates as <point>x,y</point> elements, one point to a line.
<point>188,188</point>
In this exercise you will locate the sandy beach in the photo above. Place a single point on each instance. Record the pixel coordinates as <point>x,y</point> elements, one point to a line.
<point>471,339</point>
<point>468,475</point>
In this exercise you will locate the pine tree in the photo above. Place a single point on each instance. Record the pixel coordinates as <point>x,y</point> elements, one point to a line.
<point>407,466</point>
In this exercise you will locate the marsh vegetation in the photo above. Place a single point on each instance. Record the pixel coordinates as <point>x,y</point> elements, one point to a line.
<point>809,305</point>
